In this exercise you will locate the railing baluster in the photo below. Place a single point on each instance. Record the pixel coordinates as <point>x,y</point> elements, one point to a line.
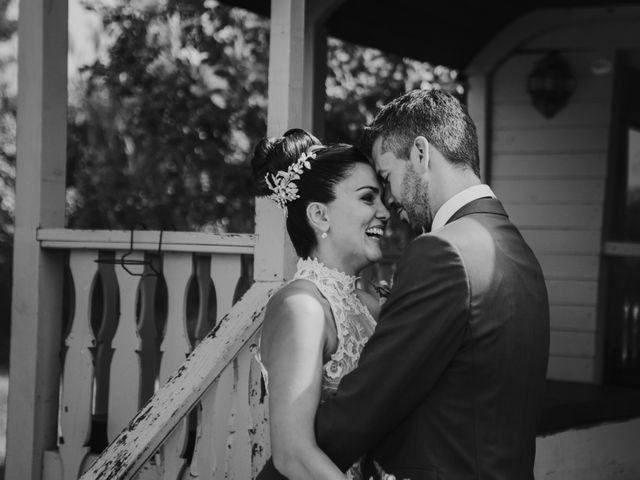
<point>203,465</point>
<point>225,272</point>
<point>222,402</point>
<point>239,451</point>
<point>175,348</point>
<point>77,376</point>
<point>259,410</point>
<point>124,390</point>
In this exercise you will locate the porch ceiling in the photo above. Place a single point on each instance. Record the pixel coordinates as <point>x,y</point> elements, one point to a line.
<point>446,32</point>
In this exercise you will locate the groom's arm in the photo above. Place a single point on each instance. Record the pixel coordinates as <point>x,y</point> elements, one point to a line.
<point>421,328</point>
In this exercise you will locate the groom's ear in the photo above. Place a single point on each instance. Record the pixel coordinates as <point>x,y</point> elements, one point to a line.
<point>419,154</point>
<point>318,216</point>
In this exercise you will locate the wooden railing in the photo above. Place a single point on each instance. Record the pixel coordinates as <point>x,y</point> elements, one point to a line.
<point>136,307</point>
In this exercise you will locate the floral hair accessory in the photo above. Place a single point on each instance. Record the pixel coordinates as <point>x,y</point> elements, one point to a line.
<point>282,184</point>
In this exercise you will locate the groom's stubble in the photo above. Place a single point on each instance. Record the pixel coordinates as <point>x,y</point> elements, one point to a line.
<point>415,199</point>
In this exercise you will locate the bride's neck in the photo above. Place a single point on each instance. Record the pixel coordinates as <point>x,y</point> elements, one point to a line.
<point>330,260</point>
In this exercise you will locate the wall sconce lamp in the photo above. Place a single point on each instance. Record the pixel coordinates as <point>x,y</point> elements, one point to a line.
<point>550,84</point>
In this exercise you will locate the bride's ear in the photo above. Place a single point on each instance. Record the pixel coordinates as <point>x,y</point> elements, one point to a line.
<point>318,216</point>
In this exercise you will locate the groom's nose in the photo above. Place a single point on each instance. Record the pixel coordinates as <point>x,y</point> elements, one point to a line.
<point>389,200</point>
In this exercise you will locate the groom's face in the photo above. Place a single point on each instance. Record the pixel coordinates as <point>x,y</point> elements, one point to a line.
<point>404,190</point>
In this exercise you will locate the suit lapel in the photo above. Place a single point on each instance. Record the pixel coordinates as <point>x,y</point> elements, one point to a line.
<point>480,205</point>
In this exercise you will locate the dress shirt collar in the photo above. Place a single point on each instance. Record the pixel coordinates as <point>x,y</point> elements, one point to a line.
<point>458,201</point>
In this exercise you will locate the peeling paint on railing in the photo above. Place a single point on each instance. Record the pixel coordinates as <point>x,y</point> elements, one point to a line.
<point>145,434</point>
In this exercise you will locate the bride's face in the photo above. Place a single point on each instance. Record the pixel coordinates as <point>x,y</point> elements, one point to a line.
<point>357,219</point>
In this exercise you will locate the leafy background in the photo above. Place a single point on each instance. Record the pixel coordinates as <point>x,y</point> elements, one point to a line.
<point>164,114</point>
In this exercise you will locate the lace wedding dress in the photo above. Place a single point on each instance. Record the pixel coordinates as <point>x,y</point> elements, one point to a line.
<point>354,325</point>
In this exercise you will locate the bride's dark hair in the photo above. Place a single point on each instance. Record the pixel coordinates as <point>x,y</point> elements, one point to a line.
<point>332,164</point>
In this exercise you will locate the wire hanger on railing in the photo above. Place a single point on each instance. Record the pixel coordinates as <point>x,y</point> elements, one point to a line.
<point>124,262</point>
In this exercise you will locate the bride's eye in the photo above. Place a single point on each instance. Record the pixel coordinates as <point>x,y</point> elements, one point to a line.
<point>368,197</point>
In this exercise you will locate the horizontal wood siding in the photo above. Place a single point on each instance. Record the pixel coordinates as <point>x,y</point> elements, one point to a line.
<point>550,175</point>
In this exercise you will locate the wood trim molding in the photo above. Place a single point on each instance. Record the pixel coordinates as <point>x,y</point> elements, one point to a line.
<point>146,240</point>
<point>535,23</point>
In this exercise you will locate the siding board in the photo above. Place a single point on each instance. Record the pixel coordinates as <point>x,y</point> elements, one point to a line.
<point>556,216</point>
<point>541,191</point>
<point>573,344</point>
<point>529,140</point>
<point>571,317</point>
<point>570,267</point>
<point>559,165</point>
<point>571,369</point>
<point>572,292</point>
<point>561,241</point>
<point>576,114</point>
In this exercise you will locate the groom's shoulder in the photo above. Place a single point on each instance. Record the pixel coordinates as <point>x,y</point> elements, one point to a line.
<point>433,245</point>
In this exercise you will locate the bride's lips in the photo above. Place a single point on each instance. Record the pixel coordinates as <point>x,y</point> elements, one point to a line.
<point>376,232</point>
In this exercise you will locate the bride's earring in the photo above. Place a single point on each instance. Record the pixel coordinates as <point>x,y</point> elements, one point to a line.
<point>324,235</point>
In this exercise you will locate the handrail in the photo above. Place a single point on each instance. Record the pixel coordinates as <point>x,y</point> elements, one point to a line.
<point>129,451</point>
<point>199,242</point>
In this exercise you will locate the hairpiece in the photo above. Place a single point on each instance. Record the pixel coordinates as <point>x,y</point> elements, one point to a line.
<point>282,183</point>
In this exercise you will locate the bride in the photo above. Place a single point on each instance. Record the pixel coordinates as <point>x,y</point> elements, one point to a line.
<point>316,325</point>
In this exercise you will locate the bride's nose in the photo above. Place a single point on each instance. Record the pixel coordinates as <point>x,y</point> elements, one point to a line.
<point>382,213</point>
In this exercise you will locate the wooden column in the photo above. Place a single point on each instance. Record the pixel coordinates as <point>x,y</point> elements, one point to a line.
<point>479,110</point>
<point>297,72</point>
<point>40,202</point>
<point>274,255</point>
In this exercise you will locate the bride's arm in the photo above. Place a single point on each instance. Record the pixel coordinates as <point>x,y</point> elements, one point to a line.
<point>293,339</point>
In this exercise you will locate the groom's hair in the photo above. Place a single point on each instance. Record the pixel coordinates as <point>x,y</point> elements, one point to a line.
<point>436,115</point>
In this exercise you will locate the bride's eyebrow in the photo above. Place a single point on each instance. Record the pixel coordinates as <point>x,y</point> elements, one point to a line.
<point>370,187</point>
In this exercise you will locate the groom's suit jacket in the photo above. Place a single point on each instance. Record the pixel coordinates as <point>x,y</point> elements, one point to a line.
<point>450,385</point>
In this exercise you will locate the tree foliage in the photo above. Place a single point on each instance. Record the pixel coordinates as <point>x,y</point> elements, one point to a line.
<point>168,116</point>
<point>162,133</point>
<point>162,123</point>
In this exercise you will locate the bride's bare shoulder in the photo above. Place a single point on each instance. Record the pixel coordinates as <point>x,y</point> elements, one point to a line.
<point>296,299</point>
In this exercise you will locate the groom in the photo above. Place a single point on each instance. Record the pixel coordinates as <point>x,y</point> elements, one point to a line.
<point>450,385</point>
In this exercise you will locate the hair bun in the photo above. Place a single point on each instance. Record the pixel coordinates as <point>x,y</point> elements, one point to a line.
<point>273,154</point>
<point>260,163</point>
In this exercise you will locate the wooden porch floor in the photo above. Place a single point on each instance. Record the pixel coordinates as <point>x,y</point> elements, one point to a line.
<point>577,405</point>
<point>567,406</point>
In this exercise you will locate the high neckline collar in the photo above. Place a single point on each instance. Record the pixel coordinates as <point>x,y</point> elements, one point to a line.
<point>312,266</point>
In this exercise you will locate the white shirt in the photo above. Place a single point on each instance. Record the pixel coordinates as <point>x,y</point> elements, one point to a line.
<point>459,200</point>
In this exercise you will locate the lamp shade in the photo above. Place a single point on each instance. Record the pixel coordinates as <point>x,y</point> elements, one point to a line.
<point>550,84</point>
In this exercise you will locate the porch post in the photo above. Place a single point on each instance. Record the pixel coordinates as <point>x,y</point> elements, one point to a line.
<point>40,202</point>
<point>297,72</point>
<point>274,254</point>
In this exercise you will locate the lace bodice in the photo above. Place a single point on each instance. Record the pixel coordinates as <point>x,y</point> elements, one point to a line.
<point>354,323</point>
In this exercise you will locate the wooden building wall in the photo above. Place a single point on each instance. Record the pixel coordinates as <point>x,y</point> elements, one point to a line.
<point>551,174</point>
